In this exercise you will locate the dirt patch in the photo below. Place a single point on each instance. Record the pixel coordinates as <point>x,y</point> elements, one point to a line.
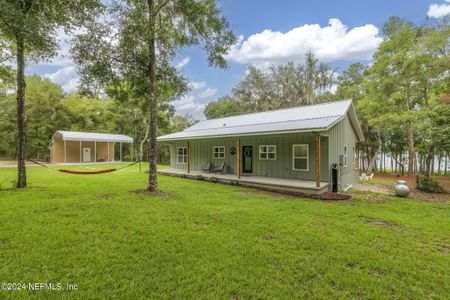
<point>104,196</point>
<point>380,222</point>
<point>389,190</point>
<point>161,194</point>
<point>331,196</point>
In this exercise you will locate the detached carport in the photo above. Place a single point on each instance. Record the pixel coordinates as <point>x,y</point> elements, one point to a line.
<point>86,147</point>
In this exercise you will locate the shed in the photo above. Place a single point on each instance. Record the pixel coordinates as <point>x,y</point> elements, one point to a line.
<point>86,147</point>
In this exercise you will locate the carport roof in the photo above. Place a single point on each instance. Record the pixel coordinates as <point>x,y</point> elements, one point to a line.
<point>92,136</point>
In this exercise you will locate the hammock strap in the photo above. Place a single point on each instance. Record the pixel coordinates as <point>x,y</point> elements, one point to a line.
<point>40,164</point>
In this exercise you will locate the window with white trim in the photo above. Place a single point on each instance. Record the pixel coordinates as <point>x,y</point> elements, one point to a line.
<point>219,152</point>
<point>345,156</point>
<point>182,155</point>
<point>300,157</point>
<point>267,152</point>
<point>354,155</point>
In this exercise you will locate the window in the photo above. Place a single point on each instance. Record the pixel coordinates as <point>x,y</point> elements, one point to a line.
<point>300,157</point>
<point>182,155</point>
<point>345,156</point>
<point>267,152</point>
<point>219,152</point>
<point>354,155</point>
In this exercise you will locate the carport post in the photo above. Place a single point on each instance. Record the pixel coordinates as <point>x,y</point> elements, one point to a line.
<point>65,157</point>
<point>131,151</point>
<point>120,151</point>
<point>108,151</point>
<point>95,151</point>
<point>81,154</point>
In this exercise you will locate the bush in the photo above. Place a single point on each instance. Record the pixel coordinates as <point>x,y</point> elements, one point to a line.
<point>428,185</point>
<point>200,177</point>
<point>213,179</point>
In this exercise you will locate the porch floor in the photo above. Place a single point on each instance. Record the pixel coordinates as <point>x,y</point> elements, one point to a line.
<point>276,184</point>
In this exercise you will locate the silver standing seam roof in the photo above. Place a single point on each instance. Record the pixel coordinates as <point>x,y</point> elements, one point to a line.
<point>318,117</point>
<point>92,136</point>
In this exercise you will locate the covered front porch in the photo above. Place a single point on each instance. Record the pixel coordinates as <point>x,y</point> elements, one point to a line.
<point>261,182</point>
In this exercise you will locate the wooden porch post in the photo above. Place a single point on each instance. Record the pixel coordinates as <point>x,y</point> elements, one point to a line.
<point>65,156</point>
<point>238,159</point>
<point>188,157</point>
<point>318,160</point>
<point>95,151</point>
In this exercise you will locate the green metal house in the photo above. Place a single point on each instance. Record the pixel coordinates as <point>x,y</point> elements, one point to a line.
<point>291,149</point>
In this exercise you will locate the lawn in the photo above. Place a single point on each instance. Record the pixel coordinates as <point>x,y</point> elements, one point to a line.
<point>205,240</point>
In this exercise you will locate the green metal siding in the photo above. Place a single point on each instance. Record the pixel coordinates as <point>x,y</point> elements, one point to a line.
<point>201,151</point>
<point>340,135</point>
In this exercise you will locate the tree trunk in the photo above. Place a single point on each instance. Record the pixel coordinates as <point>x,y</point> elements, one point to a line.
<point>153,103</point>
<point>429,161</point>
<point>141,146</point>
<point>445,165</point>
<point>375,155</point>
<point>411,150</point>
<point>22,171</point>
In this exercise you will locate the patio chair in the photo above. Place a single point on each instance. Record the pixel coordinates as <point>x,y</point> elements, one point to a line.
<point>220,168</point>
<point>207,167</point>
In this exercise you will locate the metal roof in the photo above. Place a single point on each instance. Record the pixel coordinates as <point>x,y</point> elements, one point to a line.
<point>92,136</point>
<point>317,117</point>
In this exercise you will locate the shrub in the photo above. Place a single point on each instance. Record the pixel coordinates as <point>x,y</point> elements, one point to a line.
<point>213,179</point>
<point>428,185</point>
<point>199,177</point>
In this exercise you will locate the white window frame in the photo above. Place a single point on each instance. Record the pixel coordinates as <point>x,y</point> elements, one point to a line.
<point>354,155</point>
<point>184,156</point>
<point>345,156</point>
<point>294,157</point>
<point>218,152</point>
<point>267,152</point>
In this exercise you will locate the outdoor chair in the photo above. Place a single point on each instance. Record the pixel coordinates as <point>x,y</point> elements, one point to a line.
<point>220,168</point>
<point>207,167</point>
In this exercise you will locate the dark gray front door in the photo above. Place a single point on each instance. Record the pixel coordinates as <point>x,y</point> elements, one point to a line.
<point>247,159</point>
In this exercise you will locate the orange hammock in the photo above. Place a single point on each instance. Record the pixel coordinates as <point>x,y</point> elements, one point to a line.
<point>83,172</point>
<point>87,172</point>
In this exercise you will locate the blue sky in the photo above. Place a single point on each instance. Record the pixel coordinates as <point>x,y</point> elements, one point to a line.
<point>339,32</point>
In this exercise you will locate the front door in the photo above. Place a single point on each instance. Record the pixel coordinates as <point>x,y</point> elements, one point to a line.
<point>247,159</point>
<point>86,154</point>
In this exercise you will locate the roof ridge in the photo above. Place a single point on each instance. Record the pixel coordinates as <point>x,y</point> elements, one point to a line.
<point>254,124</point>
<point>281,109</point>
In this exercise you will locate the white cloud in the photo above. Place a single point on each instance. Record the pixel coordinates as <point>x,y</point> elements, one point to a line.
<point>330,43</point>
<point>439,10</point>
<point>183,62</point>
<point>66,77</point>
<point>187,103</point>
<point>209,92</point>
<point>197,85</point>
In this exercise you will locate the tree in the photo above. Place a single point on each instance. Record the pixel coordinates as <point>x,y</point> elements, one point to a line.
<point>137,46</point>
<point>224,107</point>
<point>409,65</point>
<point>28,28</point>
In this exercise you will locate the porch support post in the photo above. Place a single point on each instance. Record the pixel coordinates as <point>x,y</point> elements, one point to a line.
<point>108,151</point>
<point>318,160</point>
<point>188,150</point>
<point>65,156</point>
<point>238,159</point>
<point>95,151</point>
<point>81,154</point>
<point>120,151</point>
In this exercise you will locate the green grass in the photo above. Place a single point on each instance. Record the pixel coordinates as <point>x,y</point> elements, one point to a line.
<point>205,240</point>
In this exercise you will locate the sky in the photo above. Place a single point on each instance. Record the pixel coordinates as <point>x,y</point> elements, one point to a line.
<point>274,32</point>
